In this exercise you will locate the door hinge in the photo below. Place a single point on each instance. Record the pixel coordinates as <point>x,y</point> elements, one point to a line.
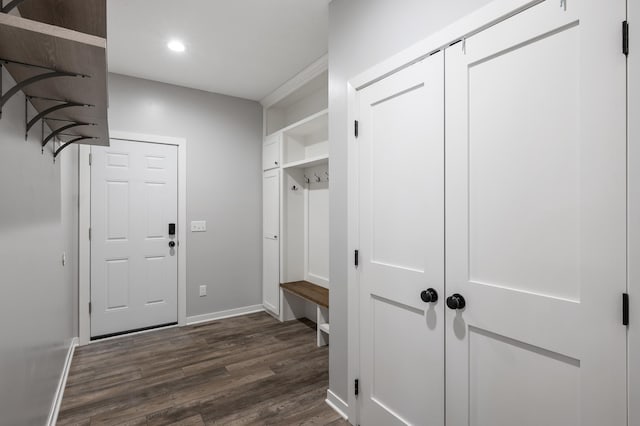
<point>89,233</point>
<point>90,158</point>
<point>355,128</point>
<point>356,261</point>
<point>625,38</point>
<point>625,308</point>
<point>89,308</point>
<point>356,387</point>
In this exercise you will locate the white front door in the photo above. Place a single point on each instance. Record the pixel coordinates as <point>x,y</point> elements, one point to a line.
<point>401,249</point>
<point>134,269</point>
<point>535,223</point>
<point>271,240</point>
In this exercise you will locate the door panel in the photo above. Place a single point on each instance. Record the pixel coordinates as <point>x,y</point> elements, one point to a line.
<point>271,153</point>
<point>535,226</point>
<point>401,177</point>
<point>271,240</point>
<point>134,277</point>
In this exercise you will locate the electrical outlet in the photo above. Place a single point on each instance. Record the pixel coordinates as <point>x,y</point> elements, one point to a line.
<point>203,290</point>
<point>198,226</point>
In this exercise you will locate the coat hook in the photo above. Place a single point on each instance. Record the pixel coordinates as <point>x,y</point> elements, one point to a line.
<point>294,188</point>
<point>317,177</point>
<point>327,174</point>
<point>306,179</point>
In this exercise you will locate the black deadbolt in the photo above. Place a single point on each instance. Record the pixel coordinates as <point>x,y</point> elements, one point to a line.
<point>429,296</point>
<point>172,229</point>
<point>456,301</point>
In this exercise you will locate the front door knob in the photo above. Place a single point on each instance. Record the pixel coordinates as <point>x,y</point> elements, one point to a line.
<point>172,244</point>
<point>429,296</point>
<point>456,301</point>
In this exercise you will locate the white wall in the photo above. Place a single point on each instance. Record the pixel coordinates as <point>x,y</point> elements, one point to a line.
<point>38,303</point>
<point>224,150</point>
<point>361,34</point>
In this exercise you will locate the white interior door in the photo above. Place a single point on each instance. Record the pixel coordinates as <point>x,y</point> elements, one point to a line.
<point>535,235</point>
<point>270,240</point>
<point>134,271</point>
<point>401,249</point>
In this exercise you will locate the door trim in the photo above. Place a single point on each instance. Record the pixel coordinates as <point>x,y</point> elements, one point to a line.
<point>483,18</point>
<point>633,209</point>
<point>84,221</point>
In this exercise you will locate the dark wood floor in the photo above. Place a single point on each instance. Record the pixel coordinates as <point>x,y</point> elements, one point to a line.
<point>249,370</point>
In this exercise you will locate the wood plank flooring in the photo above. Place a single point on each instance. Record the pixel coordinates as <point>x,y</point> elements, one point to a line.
<point>248,370</point>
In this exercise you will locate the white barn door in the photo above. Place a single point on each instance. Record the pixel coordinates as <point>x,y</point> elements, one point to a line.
<point>401,248</point>
<point>535,235</point>
<point>134,268</point>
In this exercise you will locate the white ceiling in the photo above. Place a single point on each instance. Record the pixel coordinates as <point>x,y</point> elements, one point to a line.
<point>243,48</point>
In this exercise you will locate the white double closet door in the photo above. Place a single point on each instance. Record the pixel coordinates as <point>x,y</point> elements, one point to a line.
<point>505,187</point>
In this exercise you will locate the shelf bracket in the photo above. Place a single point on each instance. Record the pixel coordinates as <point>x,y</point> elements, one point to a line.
<point>43,114</point>
<point>66,144</point>
<point>56,132</point>
<point>9,7</point>
<point>29,81</point>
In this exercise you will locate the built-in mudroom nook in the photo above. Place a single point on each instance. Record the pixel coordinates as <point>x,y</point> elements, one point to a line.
<point>296,186</point>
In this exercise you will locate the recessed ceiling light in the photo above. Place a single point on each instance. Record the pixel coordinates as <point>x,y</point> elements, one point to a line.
<point>176,46</point>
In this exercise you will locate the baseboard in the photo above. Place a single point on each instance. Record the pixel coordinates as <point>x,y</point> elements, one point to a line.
<point>337,404</point>
<point>197,319</point>
<point>57,400</point>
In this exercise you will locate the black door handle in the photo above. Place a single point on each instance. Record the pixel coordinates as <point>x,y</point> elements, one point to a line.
<point>429,296</point>
<point>456,301</point>
<point>172,244</point>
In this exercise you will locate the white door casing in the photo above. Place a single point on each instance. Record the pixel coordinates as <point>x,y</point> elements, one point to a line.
<point>271,240</point>
<point>401,249</point>
<point>535,223</point>
<point>133,269</point>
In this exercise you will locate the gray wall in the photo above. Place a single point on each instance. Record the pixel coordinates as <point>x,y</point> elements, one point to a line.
<point>224,182</point>
<point>38,307</point>
<point>361,34</point>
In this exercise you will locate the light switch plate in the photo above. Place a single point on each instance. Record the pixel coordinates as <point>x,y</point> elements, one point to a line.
<point>198,226</point>
<point>203,290</point>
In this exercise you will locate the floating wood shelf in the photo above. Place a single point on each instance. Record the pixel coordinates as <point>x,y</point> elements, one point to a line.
<point>85,16</point>
<point>308,291</point>
<point>36,44</point>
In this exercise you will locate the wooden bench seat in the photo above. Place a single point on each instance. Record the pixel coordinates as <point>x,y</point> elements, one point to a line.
<point>308,291</point>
